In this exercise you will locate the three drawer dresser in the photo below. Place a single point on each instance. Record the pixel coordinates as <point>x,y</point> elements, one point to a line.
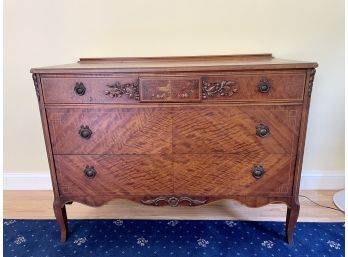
<point>176,130</point>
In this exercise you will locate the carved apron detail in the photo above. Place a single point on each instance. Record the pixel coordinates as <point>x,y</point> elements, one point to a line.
<point>173,201</point>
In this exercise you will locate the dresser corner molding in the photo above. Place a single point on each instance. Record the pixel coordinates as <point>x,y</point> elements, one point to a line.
<point>36,85</point>
<point>118,90</point>
<point>173,201</point>
<point>310,83</point>
<point>223,88</point>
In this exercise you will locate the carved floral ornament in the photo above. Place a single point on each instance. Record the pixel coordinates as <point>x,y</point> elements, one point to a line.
<point>173,201</point>
<point>223,88</point>
<point>129,89</point>
<point>209,89</point>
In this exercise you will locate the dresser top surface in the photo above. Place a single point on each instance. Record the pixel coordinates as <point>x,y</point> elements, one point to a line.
<point>177,63</point>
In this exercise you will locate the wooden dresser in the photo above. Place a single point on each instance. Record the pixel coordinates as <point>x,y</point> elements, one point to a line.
<point>176,130</point>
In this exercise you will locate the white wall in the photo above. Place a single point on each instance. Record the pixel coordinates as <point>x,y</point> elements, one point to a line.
<point>41,32</point>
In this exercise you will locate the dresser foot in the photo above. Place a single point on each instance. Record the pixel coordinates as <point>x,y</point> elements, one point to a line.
<point>61,217</point>
<point>291,219</point>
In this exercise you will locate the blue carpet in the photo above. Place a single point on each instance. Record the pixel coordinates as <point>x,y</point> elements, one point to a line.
<point>163,238</point>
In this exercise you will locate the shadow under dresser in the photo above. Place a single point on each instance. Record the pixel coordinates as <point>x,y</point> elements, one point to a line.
<point>176,130</point>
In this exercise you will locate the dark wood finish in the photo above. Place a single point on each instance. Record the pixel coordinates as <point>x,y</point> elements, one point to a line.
<point>176,130</point>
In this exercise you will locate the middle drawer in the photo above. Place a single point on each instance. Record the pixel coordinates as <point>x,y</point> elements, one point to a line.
<point>182,129</point>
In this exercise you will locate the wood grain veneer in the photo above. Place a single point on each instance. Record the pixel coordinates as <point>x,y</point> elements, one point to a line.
<point>176,130</point>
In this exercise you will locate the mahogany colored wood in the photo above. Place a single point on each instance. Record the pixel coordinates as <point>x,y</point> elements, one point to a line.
<point>285,85</point>
<point>60,213</point>
<point>232,129</point>
<point>231,174</point>
<point>282,86</point>
<point>123,130</point>
<point>176,130</point>
<point>60,89</point>
<point>291,219</point>
<point>176,64</point>
<point>170,89</point>
<point>149,175</point>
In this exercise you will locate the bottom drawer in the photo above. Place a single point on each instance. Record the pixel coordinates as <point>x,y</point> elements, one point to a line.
<point>114,175</point>
<point>216,175</point>
<point>221,175</point>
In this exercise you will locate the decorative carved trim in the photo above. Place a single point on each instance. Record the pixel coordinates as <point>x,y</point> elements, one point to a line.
<point>223,88</point>
<point>310,83</point>
<point>36,85</point>
<point>173,201</point>
<point>118,90</point>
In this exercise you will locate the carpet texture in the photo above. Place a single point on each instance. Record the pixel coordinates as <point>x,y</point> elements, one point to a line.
<point>163,238</point>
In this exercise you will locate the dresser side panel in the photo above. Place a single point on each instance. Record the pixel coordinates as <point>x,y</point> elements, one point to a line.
<point>46,133</point>
<point>302,133</point>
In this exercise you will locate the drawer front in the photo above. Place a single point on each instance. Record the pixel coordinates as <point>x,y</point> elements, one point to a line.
<point>230,174</point>
<point>266,86</point>
<point>90,89</point>
<point>110,130</point>
<point>170,89</point>
<point>101,175</point>
<point>236,129</point>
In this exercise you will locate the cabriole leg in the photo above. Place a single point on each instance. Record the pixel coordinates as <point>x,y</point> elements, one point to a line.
<point>61,217</point>
<point>291,219</point>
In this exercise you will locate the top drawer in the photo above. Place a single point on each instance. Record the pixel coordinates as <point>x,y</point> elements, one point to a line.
<point>256,86</point>
<point>90,89</point>
<point>265,86</point>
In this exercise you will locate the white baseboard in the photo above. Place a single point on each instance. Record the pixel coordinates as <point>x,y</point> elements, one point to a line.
<point>311,180</point>
<point>322,180</point>
<point>27,181</point>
